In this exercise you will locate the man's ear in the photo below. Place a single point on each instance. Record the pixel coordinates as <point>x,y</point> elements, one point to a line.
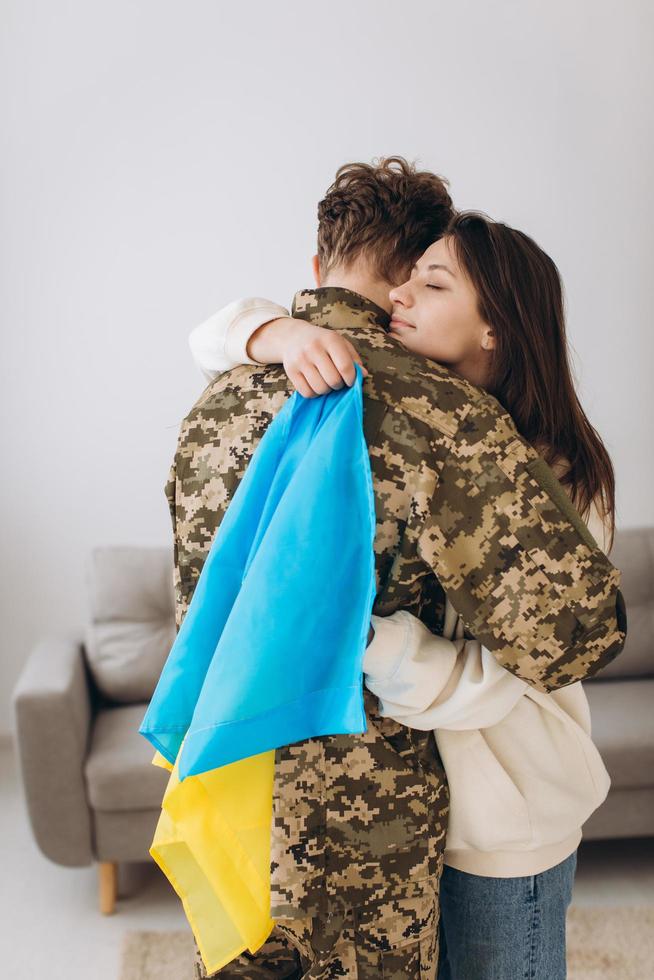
<point>315,265</point>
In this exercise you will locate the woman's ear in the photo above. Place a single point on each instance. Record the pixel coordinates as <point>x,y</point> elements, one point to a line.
<point>488,339</point>
<point>315,264</point>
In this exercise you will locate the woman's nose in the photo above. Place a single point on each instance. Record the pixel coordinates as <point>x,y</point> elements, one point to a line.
<point>401,295</point>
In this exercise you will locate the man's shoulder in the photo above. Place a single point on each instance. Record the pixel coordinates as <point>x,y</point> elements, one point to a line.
<point>428,395</point>
<point>246,389</point>
<point>432,394</point>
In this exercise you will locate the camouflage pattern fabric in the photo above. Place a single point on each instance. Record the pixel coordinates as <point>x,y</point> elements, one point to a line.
<point>463,508</point>
<point>396,938</point>
<point>277,959</point>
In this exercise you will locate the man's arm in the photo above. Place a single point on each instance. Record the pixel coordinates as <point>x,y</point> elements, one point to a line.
<point>516,560</point>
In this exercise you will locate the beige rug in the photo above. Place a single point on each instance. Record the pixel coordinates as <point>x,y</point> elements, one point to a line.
<point>603,944</point>
<point>611,944</point>
<point>157,956</point>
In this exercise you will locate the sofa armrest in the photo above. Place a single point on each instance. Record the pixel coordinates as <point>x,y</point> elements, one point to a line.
<point>52,707</point>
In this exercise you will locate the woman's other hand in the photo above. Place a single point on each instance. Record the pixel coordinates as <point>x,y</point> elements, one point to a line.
<point>317,360</point>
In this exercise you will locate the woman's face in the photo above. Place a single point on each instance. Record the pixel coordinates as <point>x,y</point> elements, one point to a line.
<point>435,314</point>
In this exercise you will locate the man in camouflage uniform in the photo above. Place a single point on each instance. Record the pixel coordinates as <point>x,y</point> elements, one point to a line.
<point>464,507</point>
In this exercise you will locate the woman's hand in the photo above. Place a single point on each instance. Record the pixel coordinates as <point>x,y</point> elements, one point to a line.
<point>316,360</point>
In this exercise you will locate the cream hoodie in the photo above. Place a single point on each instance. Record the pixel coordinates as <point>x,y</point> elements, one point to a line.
<point>523,772</point>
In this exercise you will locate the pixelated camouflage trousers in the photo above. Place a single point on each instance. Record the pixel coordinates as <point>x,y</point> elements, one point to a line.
<point>395,939</point>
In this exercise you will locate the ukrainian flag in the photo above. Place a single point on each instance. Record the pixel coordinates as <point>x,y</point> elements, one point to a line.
<point>269,653</point>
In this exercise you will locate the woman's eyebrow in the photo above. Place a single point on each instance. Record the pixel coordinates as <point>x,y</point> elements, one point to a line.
<point>434,265</point>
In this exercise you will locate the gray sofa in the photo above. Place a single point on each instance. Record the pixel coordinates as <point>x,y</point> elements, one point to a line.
<point>621,701</point>
<point>92,793</point>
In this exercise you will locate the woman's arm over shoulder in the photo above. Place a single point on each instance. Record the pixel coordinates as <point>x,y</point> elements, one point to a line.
<point>427,681</point>
<point>220,343</point>
<point>257,331</point>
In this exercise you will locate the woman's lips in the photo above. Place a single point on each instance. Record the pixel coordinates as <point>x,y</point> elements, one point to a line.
<point>397,324</point>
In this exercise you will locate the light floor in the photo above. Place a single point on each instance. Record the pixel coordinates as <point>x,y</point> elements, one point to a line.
<point>50,927</point>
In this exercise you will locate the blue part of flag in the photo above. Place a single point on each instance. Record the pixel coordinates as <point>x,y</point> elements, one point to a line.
<point>270,651</point>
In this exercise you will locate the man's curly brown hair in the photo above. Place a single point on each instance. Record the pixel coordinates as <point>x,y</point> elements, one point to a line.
<point>387,212</point>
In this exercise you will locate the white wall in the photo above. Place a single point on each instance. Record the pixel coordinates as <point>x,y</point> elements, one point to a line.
<point>162,157</point>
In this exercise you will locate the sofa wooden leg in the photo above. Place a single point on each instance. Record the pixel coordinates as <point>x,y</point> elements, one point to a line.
<point>108,881</point>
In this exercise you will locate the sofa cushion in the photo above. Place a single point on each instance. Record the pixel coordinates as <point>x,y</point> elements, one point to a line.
<point>633,554</point>
<point>132,620</point>
<point>119,771</point>
<point>623,729</point>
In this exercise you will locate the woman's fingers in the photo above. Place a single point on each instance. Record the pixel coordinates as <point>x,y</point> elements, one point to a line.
<point>324,364</point>
<point>345,357</point>
<point>301,384</point>
<point>329,372</point>
<point>334,358</point>
<point>316,381</point>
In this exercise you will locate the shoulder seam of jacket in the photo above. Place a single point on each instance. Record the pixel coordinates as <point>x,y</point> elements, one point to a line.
<point>435,418</point>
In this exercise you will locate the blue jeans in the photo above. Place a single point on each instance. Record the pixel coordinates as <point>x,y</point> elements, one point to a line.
<point>505,928</point>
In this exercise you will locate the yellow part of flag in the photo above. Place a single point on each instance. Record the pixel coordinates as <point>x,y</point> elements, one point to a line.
<point>212,841</point>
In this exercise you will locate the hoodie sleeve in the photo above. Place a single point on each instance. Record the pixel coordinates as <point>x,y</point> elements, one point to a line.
<point>427,681</point>
<point>220,343</point>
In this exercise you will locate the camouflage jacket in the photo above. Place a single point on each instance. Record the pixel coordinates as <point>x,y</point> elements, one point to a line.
<point>464,507</point>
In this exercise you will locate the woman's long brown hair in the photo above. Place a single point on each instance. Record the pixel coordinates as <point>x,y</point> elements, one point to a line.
<point>520,297</point>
